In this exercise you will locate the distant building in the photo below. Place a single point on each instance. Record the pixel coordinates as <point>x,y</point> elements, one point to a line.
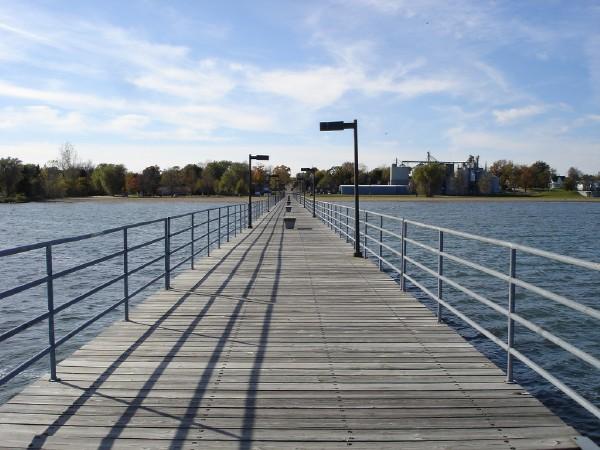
<point>399,179</point>
<point>557,182</point>
<point>462,178</point>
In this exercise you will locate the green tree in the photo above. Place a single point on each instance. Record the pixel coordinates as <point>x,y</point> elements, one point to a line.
<point>190,175</point>
<point>282,178</point>
<point>150,180</point>
<point>542,174</point>
<point>53,183</point>
<point>109,178</point>
<point>235,180</point>
<point>505,171</point>
<point>30,184</point>
<point>10,175</point>
<point>171,179</point>
<point>379,175</point>
<point>216,169</point>
<point>428,178</point>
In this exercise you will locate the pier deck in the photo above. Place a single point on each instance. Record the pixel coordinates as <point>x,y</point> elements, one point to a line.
<point>281,339</point>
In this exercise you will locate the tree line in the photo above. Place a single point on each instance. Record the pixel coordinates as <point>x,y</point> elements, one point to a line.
<point>68,176</point>
<point>329,180</point>
<point>538,176</point>
<point>431,178</point>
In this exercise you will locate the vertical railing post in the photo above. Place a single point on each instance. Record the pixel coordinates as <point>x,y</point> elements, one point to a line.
<point>366,233</point>
<point>380,243</point>
<point>510,340</point>
<point>208,230</point>
<point>50,295</point>
<point>347,222</point>
<point>440,273</point>
<point>227,223</point>
<point>126,273</point>
<point>402,254</point>
<point>234,221</point>
<point>240,216</point>
<point>192,241</point>
<point>219,233</point>
<point>167,253</point>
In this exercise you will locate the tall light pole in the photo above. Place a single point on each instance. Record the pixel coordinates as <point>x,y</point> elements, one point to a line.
<point>302,188</point>
<point>276,177</point>
<point>311,170</point>
<point>250,158</point>
<point>338,126</point>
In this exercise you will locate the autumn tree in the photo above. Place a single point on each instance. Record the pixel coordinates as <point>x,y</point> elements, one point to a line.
<point>527,177</point>
<point>259,178</point>
<point>132,183</point>
<point>281,179</point>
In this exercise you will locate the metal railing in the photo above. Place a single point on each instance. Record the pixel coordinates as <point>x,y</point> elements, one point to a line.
<point>376,236</point>
<point>215,225</point>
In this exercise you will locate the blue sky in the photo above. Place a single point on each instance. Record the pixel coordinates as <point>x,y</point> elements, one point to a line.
<point>154,82</point>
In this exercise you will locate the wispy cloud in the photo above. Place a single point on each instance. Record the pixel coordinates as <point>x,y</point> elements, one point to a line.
<point>410,69</point>
<point>505,116</point>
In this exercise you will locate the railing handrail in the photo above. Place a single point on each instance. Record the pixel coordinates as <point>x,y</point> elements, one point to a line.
<point>81,237</point>
<point>501,243</point>
<point>237,211</point>
<point>333,213</point>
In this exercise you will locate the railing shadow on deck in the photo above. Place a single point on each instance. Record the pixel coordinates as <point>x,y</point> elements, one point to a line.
<point>386,241</point>
<point>107,442</point>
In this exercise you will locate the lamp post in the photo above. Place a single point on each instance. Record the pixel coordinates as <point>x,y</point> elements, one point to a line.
<point>303,181</point>
<point>250,158</point>
<point>338,126</point>
<point>311,170</point>
<point>272,176</point>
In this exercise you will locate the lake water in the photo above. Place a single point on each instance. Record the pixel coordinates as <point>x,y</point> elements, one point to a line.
<point>567,228</point>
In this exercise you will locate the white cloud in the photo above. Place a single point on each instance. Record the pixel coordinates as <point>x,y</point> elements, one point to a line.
<point>203,82</point>
<point>63,99</point>
<point>40,116</point>
<point>505,116</point>
<point>315,88</point>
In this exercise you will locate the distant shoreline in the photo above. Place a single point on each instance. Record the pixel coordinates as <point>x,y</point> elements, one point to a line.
<point>454,198</point>
<point>534,197</point>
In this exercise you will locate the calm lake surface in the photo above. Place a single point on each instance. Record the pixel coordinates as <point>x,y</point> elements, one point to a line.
<point>567,228</point>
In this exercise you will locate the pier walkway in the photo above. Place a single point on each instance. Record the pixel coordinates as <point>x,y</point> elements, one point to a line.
<point>280,339</point>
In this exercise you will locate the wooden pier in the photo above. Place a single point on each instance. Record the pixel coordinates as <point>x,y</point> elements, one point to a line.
<point>280,339</point>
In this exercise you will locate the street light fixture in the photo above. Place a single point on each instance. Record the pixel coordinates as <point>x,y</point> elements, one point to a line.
<point>311,170</point>
<point>271,176</point>
<point>250,158</point>
<point>338,126</point>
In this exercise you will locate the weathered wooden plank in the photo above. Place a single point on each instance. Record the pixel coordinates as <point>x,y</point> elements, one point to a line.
<point>288,342</point>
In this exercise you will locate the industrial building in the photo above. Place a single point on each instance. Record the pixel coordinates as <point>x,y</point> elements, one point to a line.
<point>462,178</point>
